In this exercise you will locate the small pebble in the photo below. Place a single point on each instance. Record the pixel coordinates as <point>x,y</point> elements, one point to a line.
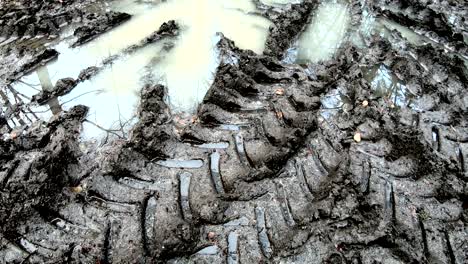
<point>357,137</point>
<point>365,103</point>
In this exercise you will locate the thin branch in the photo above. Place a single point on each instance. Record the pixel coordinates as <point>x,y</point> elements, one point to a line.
<point>83,94</point>
<point>29,85</point>
<point>104,129</point>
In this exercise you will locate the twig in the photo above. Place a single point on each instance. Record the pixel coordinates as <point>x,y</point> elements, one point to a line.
<point>104,129</point>
<point>83,94</point>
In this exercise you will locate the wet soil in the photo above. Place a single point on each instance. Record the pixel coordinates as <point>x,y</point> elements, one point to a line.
<point>362,158</point>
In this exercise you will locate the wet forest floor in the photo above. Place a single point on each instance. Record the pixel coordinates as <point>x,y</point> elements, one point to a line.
<point>361,158</point>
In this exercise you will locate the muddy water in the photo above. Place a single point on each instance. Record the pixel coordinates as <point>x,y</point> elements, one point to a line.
<point>325,34</point>
<point>112,95</point>
<point>387,85</point>
<point>384,83</point>
<point>332,103</point>
<point>187,68</point>
<point>407,33</point>
<point>370,25</point>
<point>279,2</point>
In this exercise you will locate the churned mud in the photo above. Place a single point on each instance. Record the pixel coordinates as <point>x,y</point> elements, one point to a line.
<point>233,131</point>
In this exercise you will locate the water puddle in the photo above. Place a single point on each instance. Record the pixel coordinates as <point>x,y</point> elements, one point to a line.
<point>185,164</point>
<point>233,127</point>
<point>129,6</point>
<point>386,85</point>
<point>324,35</point>
<point>186,64</point>
<point>220,145</point>
<point>387,26</point>
<point>112,95</point>
<point>210,250</point>
<point>370,25</point>
<point>333,102</point>
<point>279,3</point>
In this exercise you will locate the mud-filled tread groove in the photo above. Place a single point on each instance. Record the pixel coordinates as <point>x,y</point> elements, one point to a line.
<point>366,175</point>
<point>115,228</point>
<point>215,160</point>
<point>148,222</point>
<point>105,258</point>
<point>461,160</point>
<point>263,239</point>
<point>9,173</point>
<point>137,184</point>
<point>424,236</point>
<point>284,204</point>
<point>300,174</point>
<point>435,138</point>
<point>318,163</point>
<point>389,198</point>
<point>28,246</point>
<point>450,253</point>
<point>69,254</point>
<point>240,148</point>
<point>233,254</point>
<point>184,183</point>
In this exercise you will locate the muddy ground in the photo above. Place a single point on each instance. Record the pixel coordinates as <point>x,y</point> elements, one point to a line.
<point>271,172</point>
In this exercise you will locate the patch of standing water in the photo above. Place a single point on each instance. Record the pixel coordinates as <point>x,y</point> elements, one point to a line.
<point>279,3</point>
<point>187,69</point>
<point>407,33</point>
<point>129,6</point>
<point>370,25</point>
<point>112,95</point>
<point>332,102</point>
<point>219,145</point>
<point>386,85</point>
<point>324,35</point>
<point>114,109</point>
<point>187,164</point>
